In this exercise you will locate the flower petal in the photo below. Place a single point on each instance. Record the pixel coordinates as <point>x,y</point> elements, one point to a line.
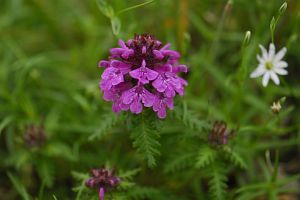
<point>264,52</point>
<point>159,84</point>
<point>274,77</point>
<point>260,59</point>
<point>271,51</point>
<point>136,107</point>
<point>281,64</point>
<point>257,72</point>
<point>280,71</point>
<point>280,55</point>
<point>266,78</point>
<point>162,113</point>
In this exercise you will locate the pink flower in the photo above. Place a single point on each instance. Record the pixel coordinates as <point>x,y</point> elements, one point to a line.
<point>161,103</point>
<point>103,179</point>
<point>142,73</point>
<point>136,97</point>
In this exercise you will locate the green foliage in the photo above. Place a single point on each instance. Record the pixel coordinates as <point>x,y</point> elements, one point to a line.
<point>206,156</point>
<point>145,136</point>
<point>49,78</point>
<point>109,120</point>
<point>19,187</point>
<point>217,183</point>
<point>234,157</point>
<point>179,162</point>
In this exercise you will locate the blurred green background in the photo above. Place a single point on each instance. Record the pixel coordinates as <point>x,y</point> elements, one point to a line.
<point>49,52</point>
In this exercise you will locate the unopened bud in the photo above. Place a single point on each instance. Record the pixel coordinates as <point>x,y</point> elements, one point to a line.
<point>276,107</point>
<point>282,8</point>
<point>247,38</point>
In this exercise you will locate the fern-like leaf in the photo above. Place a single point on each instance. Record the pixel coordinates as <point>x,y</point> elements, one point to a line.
<point>206,156</point>
<point>235,157</point>
<point>190,119</point>
<point>180,162</point>
<point>217,183</point>
<point>107,123</point>
<point>145,137</point>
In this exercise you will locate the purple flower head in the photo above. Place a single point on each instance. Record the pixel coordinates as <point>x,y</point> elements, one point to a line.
<point>34,136</point>
<point>102,179</point>
<point>142,73</point>
<point>219,134</point>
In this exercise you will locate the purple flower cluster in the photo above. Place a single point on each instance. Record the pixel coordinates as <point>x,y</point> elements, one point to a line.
<point>102,179</point>
<point>142,73</point>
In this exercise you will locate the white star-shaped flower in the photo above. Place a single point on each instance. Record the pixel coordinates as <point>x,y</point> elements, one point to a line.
<point>270,65</point>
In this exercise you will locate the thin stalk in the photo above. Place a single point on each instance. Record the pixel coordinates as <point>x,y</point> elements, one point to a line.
<point>215,44</point>
<point>135,6</point>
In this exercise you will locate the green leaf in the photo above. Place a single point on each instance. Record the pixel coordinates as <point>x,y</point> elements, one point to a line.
<point>5,122</point>
<point>190,118</point>
<point>217,183</point>
<point>82,177</point>
<point>19,187</point>
<point>206,156</point>
<point>108,121</point>
<point>145,137</point>
<point>180,162</point>
<point>234,157</point>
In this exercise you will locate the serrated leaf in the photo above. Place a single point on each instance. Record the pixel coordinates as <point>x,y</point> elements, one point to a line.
<point>108,121</point>
<point>206,156</point>
<point>145,138</point>
<point>217,183</point>
<point>180,162</point>
<point>235,158</point>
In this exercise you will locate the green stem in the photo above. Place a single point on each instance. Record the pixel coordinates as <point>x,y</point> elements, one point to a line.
<point>135,6</point>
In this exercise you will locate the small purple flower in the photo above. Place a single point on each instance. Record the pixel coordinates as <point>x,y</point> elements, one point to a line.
<point>169,83</point>
<point>123,52</point>
<point>103,179</point>
<point>136,97</point>
<point>142,73</point>
<point>160,104</point>
<point>114,95</point>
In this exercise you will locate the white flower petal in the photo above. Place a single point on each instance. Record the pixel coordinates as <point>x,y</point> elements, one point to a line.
<point>266,79</point>
<point>257,72</point>
<point>271,51</point>
<point>280,55</point>
<point>281,64</point>
<point>274,77</point>
<point>280,71</point>
<point>260,59</point>
<point>264,52</point>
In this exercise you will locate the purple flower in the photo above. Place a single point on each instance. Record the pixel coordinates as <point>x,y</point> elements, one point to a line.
<point>169,83</point>
<point>142,73</point>
<point>136,97</point>
<point>103,179</point>
<point>114,95</point>
<point>160,104</point>
<point>123,52</point>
